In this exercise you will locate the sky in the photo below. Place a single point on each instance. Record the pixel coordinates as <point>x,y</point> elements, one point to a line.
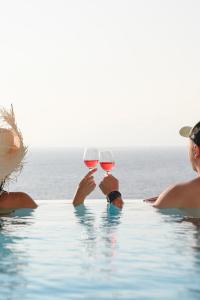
<point>101,73</point>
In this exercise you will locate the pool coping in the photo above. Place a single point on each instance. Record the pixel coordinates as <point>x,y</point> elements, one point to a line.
<point>69,201</point>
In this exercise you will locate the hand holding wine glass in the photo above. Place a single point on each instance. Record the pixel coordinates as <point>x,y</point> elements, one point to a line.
<point>110,187</point>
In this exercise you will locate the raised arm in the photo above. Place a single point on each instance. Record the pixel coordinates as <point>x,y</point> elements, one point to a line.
<point>85,187</point>
<point>110,187</point>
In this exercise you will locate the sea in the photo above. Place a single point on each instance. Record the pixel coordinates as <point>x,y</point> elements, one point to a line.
<point>143,172</point>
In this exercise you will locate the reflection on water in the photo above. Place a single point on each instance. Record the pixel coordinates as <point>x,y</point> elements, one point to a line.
<point>195,290</point>
<point>186,232</point>
<point>110,220</point>
<point>100,240</point>
<point>12,262</point>
<point>100,253</point>
<point>87,219</point>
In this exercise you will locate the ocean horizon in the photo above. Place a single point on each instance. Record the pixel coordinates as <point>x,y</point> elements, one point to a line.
<point>54,173</point>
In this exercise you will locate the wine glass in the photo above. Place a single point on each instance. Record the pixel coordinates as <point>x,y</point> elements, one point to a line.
<point>91,157</point>
<point>106,160</point>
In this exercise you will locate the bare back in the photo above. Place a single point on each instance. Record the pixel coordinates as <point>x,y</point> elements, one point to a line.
<point>185,195</point>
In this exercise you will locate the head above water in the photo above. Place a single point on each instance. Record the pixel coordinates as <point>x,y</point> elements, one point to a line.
<point>12,148</point>
<point>193,133</point>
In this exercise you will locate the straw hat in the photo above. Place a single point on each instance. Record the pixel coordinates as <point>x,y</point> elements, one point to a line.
<point>12,149</point>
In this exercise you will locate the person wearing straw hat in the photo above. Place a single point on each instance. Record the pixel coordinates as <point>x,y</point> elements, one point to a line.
<point>12,153</point>
<point>183,195</point>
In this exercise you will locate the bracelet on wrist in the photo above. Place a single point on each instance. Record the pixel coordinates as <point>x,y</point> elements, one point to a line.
<point>113,195</point>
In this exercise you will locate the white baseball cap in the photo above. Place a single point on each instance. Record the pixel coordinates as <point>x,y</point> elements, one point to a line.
<point>191,132</point>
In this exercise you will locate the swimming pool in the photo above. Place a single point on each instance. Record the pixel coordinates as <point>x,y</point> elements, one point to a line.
<point>93,252</point>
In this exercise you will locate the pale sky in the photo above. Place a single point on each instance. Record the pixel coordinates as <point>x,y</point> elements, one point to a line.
<point>104,73</point>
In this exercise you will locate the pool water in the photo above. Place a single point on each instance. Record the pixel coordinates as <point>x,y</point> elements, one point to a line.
<point>98,252</point>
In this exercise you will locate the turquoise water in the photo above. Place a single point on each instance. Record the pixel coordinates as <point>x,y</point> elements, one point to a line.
<point>96,252</point>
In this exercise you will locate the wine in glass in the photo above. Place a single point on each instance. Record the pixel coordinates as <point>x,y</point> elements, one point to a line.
<point>91,157</point>
<point>107,161</point>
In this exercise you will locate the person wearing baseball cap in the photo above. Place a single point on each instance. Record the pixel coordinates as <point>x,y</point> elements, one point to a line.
<point>182,195</point>
<point>191,132</point>
<point>186,194</point>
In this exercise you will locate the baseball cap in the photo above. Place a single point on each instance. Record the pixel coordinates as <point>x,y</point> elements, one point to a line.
<point>191,132</point>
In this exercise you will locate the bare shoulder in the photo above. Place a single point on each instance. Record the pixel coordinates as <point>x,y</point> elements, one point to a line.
<point>16,200</point>
<point>173,196</point>
<point>195,183</point>
<point>183,195</point>
<point>24,199</point>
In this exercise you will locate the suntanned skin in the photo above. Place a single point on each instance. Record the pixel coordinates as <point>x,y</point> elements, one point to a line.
<point>14,200</point>
<point>183,195</point>
<point>87,185</point>
<point>108,185</point>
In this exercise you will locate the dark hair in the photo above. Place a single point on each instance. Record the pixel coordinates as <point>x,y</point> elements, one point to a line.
<point>195,134</point>
<point>2,185</point>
